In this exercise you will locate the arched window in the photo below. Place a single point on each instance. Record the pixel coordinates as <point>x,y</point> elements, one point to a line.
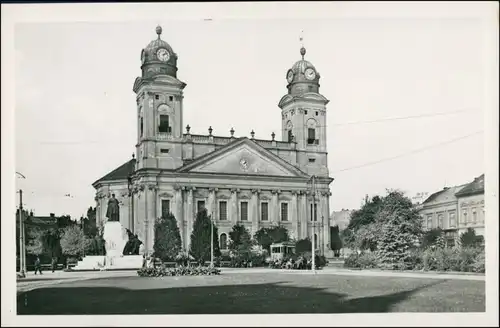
<point>290,136</point>
<point>312,136</point>
<point>223,241</point>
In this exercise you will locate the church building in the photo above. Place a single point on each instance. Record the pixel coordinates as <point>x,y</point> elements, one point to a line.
<point>254,182</point>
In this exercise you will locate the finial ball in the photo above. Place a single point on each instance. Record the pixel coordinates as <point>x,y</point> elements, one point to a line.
<point>158,30</point>
<point>302,51</point>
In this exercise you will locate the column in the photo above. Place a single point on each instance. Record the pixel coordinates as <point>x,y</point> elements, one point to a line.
<point>326,222</point>
<point>189,215</point>
<point>233,206</point>
<point>304,221</point>
<point>254,211</point>
<point>151,216</point>
<point>294,216</point>
<point>141,218</point>
<point>131,211</point>
<point>274,207</point>
<point>177,211</point>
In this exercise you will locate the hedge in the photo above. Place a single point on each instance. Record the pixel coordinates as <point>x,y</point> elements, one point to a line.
<point>467,259</point>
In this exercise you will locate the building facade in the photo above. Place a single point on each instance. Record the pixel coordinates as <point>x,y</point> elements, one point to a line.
<point>340,218</point>
<point>254,182</point>
<point>455,209</point>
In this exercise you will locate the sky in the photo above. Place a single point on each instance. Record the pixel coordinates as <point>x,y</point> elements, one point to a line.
<point>75,111</point>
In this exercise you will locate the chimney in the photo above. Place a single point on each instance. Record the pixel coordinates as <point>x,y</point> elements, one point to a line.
<point>52,215</point>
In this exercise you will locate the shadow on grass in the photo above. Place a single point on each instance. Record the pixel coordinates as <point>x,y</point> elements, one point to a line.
<point>226,299</point>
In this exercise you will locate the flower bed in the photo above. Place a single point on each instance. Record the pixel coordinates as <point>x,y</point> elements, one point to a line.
<point>178,271</point>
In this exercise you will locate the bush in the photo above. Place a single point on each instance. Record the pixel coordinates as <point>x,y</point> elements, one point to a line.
<point>463,259</point>
<point>178,271</point>
<point>365,260</point>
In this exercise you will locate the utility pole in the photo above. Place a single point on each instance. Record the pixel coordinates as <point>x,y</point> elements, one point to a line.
<point>313,225</point>
<point>22,259</point>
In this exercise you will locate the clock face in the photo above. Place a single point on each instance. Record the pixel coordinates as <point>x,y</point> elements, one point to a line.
<point>289,76</point>
<point>310,74</point>
<point>244,164</point>
<point>163,55</point>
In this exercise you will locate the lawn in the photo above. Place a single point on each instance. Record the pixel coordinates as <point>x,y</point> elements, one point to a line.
<point>248,293</point>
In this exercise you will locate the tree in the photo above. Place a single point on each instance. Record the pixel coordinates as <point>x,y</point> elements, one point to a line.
<point>303,246</point>
<point>430,237</point>
<point>73,241</point>
<point>366,214</point>
<point>267,236</point>
<point>238,235</point>
<point>167,243</point>
<point>241,243</point>
<point>200,238</point>
<point>470,239</point>
<point>336,241</point>
<point>400,229</point>
<point>34,241</point>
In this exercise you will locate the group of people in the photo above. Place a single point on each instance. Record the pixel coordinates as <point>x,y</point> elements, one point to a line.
<point>38,265</point>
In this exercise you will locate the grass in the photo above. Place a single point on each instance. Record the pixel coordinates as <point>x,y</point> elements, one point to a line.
<point>236,293</point>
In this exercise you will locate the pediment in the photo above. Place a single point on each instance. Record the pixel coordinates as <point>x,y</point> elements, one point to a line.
<point>244,157</point>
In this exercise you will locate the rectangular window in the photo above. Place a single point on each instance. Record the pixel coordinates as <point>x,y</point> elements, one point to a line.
<point>305,112</point>
<point>142,127</point>
<point>311,136</point>
<point>429,222</point>
<point>164,126</point>
<point>314,215</point>
<point>284,211</point>
<point>440,221</point>
<point>165,207</point>
<point>200,205</point>
<point>453,220</point>
<point>465,220</point>
<point>222,210</point>
<point>171,98</point>
<point>244,211</point>
<point>474,215</point>
<point>264,211</point>
<point>164,151</point>
<point>157,97</point>
<point>312,160</point>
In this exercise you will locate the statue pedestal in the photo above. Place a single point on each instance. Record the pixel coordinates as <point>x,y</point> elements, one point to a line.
<point>116,238</point>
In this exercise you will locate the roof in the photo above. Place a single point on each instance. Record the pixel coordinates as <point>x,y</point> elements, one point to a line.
<point>447,193</point>
<point>474,187</point>
<point>120,173</point>
<point>42,221</point>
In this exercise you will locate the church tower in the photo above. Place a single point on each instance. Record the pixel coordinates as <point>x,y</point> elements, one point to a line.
<point>303,111</point>
<point>159,107</point>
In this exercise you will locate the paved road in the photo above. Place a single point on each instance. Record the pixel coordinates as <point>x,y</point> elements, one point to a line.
<point>39,281</point>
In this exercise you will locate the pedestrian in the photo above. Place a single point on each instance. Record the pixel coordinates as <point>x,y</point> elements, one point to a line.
<point>38,265</point>
<point>54,264</point>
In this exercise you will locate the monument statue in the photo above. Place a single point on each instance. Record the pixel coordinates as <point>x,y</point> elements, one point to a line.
<point>113,211</point>
<point>133,244</point>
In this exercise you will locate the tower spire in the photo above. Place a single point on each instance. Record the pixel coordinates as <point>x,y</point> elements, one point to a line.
<point>302,49</point>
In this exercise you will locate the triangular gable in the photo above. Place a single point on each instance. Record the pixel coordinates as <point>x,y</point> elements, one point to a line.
<point>245,157</point>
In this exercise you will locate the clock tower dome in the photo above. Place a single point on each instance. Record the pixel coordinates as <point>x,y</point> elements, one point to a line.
<point>303,111</point>
<point>159,107</point>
